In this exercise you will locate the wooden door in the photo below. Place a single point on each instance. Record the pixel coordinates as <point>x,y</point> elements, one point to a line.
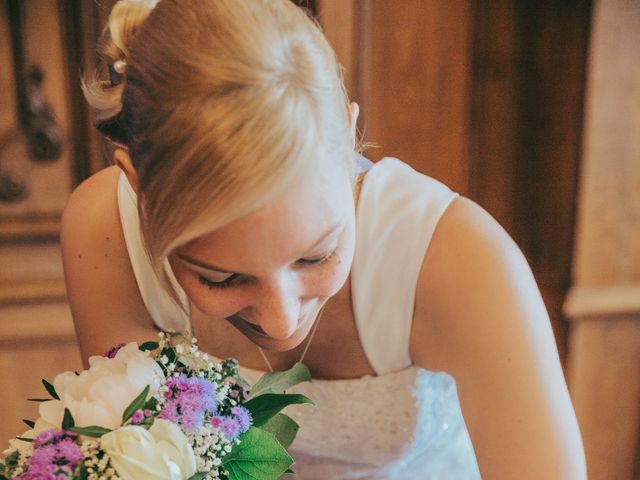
<point>46,148</point>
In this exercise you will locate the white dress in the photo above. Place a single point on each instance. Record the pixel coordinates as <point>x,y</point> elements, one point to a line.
<point>403,423</point>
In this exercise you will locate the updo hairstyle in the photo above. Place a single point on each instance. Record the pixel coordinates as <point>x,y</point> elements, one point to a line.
<point>221,104</point>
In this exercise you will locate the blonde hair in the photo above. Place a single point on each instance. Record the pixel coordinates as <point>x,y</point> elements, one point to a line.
<point>223,103</point>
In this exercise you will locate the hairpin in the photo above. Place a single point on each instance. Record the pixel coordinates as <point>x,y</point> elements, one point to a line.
<point>116,71</point>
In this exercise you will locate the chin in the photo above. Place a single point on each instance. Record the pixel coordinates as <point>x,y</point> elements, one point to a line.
<point>274,345</point>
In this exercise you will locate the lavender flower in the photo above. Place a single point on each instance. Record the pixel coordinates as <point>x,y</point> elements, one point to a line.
<point>228,426</point>
<point>243,416</point>
<point>233,425</point>
<point>52,437</point>
<point>53,461</point>
<point>187,400</point>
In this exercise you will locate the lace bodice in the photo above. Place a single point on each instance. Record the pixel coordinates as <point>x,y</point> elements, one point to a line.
<point>403,423</point>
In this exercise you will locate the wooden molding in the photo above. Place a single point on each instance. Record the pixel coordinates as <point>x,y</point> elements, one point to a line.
<point>602,302</point>
<point>34,291</point>
<point>35,324</point>
<point>30,227</point>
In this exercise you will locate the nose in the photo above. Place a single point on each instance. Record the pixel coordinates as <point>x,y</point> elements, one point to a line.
<point>279,310</point>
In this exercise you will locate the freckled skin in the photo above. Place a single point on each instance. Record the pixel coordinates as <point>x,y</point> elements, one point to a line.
<point>281,295</point>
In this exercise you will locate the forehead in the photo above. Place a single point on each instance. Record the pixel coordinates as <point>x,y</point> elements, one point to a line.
<point>279,232</point>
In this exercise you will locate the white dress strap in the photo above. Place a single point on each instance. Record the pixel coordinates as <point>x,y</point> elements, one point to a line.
<point>397,214</point>
<point>165,312</point>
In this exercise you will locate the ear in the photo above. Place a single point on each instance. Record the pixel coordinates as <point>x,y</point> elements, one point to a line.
<point>122,158</point>
<point>354,111</point>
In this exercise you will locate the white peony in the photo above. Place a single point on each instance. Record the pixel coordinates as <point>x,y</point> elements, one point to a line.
<point>161,453</point>
<point>100,395</point>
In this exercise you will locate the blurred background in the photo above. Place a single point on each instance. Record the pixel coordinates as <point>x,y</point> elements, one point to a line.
<point>530,108</point>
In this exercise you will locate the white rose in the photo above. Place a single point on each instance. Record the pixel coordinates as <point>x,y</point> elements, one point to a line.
<point>160,453</point>
<point>100,395</point>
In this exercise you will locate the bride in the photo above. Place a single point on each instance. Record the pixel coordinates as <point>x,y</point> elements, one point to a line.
<point>238,210</point>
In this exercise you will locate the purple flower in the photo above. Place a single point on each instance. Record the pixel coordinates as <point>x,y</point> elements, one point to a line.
<point>53,436</point>
<point>216,421</point>
<point>111,353</point>
<point>230,427</point>
<point>138,416</point>
<point>54,461</point>
<point>243,416</point>
<point>187,399</point>
<point>170,412</point>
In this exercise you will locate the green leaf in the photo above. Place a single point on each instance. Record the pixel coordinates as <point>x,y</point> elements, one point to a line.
<point>50,389</point>
<point>278,382</point>
<point>170,353</point>
<point>148,346</point>
<point>198,476</point>
<point>24,439</point>
<point>93,431</point>
<point>67,421</point>
<point>258,457</point>
<point>151,404</point>
<point>136,404</point>
<point>283,427</point>
<point>29,423</point>
<point>265,406</point>
<point>39,399</point>
<point>83,473</point>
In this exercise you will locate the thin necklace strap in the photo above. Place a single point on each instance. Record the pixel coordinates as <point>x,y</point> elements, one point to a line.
<point>313,332</point>
<point>306,348</point>
<point>266,360</point>
<point>358,186</point>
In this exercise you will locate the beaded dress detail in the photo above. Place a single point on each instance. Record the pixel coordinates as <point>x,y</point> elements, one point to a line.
<point>403,423</point>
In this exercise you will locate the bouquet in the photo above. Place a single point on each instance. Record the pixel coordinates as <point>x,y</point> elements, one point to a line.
<point>159,410</point>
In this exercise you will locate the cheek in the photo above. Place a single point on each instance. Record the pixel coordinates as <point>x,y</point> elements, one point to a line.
<point>337,272</point>
<point>325,280</point>
<point>210,302</point>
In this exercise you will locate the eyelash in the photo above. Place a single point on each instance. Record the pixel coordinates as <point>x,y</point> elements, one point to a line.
<point>231,280</point>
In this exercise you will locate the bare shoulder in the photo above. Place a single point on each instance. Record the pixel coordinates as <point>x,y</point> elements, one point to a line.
<point>91,222</point>
<point>101,287</point>
<point>479,316</point>
<point>469,249</point>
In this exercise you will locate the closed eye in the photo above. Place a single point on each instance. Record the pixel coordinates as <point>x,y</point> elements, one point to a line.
<point>236,279</point>
<point>317,261</point>
<point>227,282</point>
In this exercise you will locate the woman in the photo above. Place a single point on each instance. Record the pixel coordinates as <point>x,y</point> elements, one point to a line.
<point>239,211</point>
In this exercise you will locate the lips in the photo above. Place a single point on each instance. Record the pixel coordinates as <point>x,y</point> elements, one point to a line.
<point>255,327</point>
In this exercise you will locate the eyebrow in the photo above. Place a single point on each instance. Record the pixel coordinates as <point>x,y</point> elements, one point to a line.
<point>213,268</point>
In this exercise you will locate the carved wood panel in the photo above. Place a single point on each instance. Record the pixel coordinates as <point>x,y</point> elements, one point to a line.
<point>39,155</point>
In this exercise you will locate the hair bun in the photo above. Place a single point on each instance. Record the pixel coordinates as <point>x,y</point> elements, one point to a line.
<point>103,87</point>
